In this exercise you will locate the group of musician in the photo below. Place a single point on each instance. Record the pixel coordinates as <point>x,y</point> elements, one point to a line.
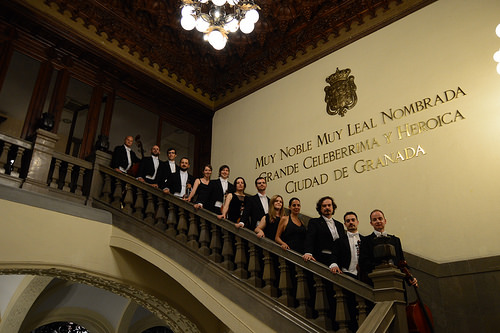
<point>337,245</point>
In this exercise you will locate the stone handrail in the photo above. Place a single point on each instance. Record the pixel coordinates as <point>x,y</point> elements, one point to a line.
<point>68,173</point>
<point>307,288</point>
<point>11,155</point>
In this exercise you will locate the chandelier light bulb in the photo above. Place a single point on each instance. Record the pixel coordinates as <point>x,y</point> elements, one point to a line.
<point>219,2</point>
<point>188,22</point>
<point>498,30</point>
<point>231,26</point>
<point>496,56</point>
<point>246,26</point>
<point>202,25</point>
<point>252,15</point>
<point>187,10</point>
<point>217,39</point>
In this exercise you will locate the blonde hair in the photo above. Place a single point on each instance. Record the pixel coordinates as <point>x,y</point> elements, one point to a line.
<point>272,211</point>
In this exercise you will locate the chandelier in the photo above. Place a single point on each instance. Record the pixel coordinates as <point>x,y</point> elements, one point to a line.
<point>217,18</point>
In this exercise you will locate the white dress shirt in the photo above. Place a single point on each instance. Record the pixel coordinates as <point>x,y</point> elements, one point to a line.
<point>156,163</point>
<point>333,229</point>
<point>265,203</point>
<point>354,242</point>
<point>129,159</point>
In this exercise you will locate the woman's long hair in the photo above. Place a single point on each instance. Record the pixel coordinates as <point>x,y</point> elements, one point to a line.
<point>273,213</point>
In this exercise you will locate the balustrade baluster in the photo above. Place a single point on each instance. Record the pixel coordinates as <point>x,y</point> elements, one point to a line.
<point>54,183</point>
<point>106,189</point>
<point>160,215</point>
<point>341,311</point>
<point>193,232</point>
<point>204,238</point>
<point>285,284</point>
<point>128,200</point>
<point>139,204</point>
<point>18,162</point>
<point>227,251</point>
<point>117,194</point>
<point>303,295</point>
<point>171,220</point>
<point>150,210</point>
<point>215,244</point>
<point>3,157</point>
<point>182,226</point>
<point>269,275</point>
<point>361,309</point>
<point>79,182</point>
<point>254,266</point>
<point>67,178</point>
<point>321,304</point>
<point>240,259</point>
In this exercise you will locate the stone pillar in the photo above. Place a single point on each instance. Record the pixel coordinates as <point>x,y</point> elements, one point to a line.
<point>99,158</point>
<point>388,284</point>
<point>41,158</point>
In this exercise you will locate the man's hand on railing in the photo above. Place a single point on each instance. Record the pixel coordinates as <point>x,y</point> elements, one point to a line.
<point>308,257</point>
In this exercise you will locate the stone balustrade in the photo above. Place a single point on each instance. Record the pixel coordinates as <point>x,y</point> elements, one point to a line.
<point>13,157</point>
<point>308,289</point>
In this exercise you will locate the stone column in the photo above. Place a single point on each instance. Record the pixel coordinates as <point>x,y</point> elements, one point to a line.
<point>41,158</point>
<point>388,284</point>
<point>99,158</point>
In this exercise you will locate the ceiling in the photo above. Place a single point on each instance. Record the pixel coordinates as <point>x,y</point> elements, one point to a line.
<point>289,35</point>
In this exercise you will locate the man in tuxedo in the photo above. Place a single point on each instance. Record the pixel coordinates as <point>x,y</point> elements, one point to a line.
<point>367,261</point>
<point>217,190</point>
<point>348,249</point>
<point>170,167</point>
<point>322,232</point>
<point>180,182</point>
<point>123,157</point>
<point>256,206</point>
<point>150,169</point>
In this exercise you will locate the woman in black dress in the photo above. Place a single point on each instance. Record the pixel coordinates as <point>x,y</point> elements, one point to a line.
<point>235,203</point>
<point>268,225</point>
<point>291,232</point>
<point>200,187</point>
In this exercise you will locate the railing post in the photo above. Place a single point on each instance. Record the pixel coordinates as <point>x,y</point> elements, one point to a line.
<point>96,185</point>
<point>3,156</point>
<point>388,286</point>
<point>38,172</point>
<point>204,238</point>
<point>269,275</point>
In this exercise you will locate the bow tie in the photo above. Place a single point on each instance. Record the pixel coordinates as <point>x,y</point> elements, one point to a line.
<point>352,235</point>
<point>381,234</point>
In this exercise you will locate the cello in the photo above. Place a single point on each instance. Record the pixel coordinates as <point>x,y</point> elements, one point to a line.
<point>134,169</point>
<point>419,316</point>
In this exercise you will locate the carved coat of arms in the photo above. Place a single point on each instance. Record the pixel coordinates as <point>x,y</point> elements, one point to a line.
<point>340,95</point>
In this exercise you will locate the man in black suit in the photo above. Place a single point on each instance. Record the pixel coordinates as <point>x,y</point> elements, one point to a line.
<point>348,249</point>
<point>217,190</point>
<point>150,169</point>
<point>170,167</point>
<point>180,182</point>
<point>322,232</point>
<point>123,157</point>
<point>256,206</point>
<point>367,261</point>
